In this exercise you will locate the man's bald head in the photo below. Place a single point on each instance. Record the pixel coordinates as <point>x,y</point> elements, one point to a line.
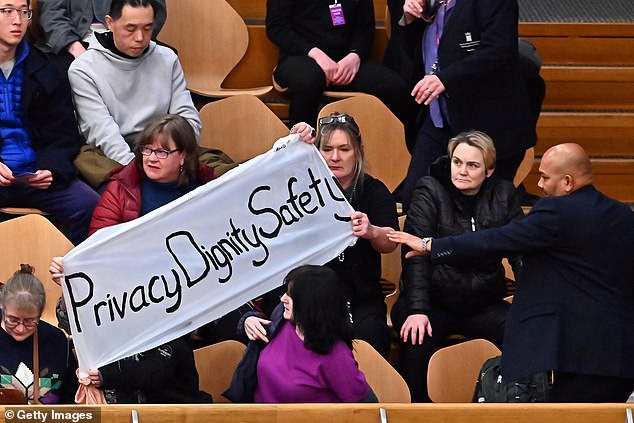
<point>564,169</point>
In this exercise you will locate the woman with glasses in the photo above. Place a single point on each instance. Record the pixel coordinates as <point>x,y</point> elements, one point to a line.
<point>359,267</point>
<point>165,167</point>
<point>460,194</point>
<point>22,301</point>
<point>304,353</point>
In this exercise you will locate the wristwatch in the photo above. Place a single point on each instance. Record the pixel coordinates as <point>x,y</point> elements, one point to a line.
<point>426,241</point>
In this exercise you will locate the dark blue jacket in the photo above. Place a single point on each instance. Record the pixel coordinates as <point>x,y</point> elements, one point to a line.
<point>245,377</point>
<point>50,120</point>
<point>479,67</point>
<point>573,309</point>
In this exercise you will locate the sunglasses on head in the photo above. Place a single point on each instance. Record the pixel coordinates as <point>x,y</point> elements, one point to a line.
<point>328,120</point>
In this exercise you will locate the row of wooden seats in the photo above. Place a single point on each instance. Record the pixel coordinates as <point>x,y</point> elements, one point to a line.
<point>589,74</point>
<point>581,43</point>
<point>588,87</point>
<point>356,413</point>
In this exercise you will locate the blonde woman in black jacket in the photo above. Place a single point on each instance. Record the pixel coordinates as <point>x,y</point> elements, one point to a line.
<point>460,194</point>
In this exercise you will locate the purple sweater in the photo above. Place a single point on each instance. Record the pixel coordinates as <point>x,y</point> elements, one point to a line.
<point>290,373</point>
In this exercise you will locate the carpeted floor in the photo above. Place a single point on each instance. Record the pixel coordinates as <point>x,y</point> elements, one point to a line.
<point>576,11</point>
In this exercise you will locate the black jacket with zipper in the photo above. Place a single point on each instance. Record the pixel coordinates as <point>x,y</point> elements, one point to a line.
<point>439,209</point>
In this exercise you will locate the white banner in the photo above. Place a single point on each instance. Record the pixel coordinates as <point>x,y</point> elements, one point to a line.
<point>135,286</point>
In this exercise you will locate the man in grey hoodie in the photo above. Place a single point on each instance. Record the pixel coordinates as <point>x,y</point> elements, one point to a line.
<point>124,79</point>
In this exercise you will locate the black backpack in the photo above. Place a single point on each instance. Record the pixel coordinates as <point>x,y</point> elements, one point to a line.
<point>491,387</point>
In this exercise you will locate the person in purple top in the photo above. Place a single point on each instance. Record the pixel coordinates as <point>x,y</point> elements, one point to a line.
<point>304,351</point>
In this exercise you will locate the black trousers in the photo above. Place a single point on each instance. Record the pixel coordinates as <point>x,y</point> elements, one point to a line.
<point>573,387</point>
<point>487,323</point>
<point>370,324</point>
<point>306,82</point>
<point>431,143</point>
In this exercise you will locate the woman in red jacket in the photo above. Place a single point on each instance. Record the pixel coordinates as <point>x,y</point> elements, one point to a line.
<point>165,167</point>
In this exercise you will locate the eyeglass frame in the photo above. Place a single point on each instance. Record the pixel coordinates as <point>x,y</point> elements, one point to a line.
<point>13,322</point>
<point>156,151</point>
<point>15,11</point>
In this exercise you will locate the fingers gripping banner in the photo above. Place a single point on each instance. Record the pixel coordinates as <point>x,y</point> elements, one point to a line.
<point>135,286</point>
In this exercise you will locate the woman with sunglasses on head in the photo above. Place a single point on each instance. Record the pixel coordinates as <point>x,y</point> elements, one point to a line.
<point>461,194</point>
<point>359,267</point>
<point>22,301</point>
<point>304,353</point>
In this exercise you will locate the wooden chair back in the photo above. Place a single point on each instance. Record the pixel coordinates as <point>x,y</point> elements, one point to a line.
<point>211,38</point>
<point>525,167</point>
<point>387,384</point>
<point>241,126</point>
<point>382,133</point>
<point>215,365</point>
<point>11,396</point>
<point>34,240</point>
<point>453,371</point>
<point>20,211</point>
<point>391,273</point>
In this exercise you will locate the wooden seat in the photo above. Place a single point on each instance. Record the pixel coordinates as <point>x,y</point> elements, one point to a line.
<point>34,240</point>
<point>241,126</point>
<point>20,211</point>
<point>211,39</point>
<point>382,133</point>
<point>10,396</point>
<point>525,167</point>
<point>391,273</point>
<point>453,370</point>
<point>215,365</point>
<point>387,384</point>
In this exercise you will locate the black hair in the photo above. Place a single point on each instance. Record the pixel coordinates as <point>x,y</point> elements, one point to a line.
<point>116,8</point>
<point>320,310</point>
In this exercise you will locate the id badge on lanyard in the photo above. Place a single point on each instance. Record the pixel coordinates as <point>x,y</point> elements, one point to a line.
<point>336,14</point>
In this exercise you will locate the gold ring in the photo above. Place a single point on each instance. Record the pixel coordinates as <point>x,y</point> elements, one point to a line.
<point>429,91</point>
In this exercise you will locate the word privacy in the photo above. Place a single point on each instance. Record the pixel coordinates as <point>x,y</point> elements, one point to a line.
<point>137,285</point>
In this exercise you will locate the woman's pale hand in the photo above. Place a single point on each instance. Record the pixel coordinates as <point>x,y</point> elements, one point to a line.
<point>95,378</point>
<point>56,270</point>
<point>361,225</point>
<point>415,328</point>
<point>305,131</point>
<point>254,328</point>
<point>413,242</point>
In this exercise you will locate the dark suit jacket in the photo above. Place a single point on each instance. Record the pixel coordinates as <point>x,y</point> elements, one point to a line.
<point>50,118</point>
<point>573,310</point>
<point>478,61</point>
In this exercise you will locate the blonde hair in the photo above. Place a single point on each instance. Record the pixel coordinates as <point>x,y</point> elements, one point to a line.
<point>476,139</point>
<point>351,129</point>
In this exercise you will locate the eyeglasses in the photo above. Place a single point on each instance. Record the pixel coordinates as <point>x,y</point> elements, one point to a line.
<point>328,120</point>
<point>10,12</point>
<point>160,153</point>
<point>13,322</point>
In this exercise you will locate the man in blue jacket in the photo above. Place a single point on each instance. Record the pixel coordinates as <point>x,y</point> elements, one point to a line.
<point>38,131</point>
<point>573,311</point>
